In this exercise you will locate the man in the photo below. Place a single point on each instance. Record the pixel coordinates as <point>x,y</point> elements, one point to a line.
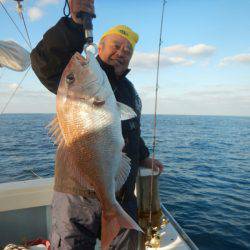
<point>76,213</point>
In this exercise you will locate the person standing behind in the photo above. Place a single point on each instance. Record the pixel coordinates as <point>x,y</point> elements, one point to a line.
<point>76,213</point>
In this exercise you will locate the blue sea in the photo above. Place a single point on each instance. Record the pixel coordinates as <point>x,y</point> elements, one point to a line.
<point>206,182</point>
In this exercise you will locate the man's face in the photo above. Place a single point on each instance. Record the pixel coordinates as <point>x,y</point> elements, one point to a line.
<point>116,50</point>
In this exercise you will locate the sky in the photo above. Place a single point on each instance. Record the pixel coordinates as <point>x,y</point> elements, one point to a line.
<point>205,54</point>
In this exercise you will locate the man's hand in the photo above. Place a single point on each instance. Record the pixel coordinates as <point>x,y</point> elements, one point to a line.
<point>147,163</point>
<point>81,5</point>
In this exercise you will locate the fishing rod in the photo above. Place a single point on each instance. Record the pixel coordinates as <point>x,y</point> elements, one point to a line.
<point>86,20</point>
<point>150,229</point>
<point>87,25</point>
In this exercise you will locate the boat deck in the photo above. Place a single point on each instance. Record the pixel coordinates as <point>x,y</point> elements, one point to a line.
<point>25,215</point>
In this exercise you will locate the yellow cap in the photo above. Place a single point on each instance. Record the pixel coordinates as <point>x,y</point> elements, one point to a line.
<point>125,32</point>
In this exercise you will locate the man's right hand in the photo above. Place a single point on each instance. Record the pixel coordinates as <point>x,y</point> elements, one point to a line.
<point>81,5</point>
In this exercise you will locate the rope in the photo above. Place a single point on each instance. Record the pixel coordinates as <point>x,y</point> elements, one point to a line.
<point>6,11</point>
<point>66,4</point>
<point>20,10</point>
<point>35,174</point>
<point>15,90</point>
<point>155,114</point>
<point>2,72</point>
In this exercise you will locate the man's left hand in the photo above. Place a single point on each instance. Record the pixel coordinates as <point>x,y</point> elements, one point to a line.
<point>147,163</point>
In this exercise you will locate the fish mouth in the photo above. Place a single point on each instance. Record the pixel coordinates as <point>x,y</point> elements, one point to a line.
<point>83,62</point>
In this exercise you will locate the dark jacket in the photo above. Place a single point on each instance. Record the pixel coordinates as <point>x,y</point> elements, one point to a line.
<point>49,59</point>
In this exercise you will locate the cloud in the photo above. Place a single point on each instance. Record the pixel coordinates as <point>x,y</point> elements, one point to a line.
<point>180,55</point>
<point>13,86</point>
<point>220,92</point>
<point>240,58</point>
<point>35,13</point>
<point>26,101</point>
<point>8,86</point>
<point>220,99</point>
<point>198,50</point>
<point>149,60</point>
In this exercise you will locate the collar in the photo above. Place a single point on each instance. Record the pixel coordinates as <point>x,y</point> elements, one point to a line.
<point>110,71</point>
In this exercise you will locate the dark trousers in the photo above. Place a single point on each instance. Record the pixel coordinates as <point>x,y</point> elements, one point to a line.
<point>76,224</point>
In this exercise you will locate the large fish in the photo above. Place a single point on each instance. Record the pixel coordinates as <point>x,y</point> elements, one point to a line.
<point>88,130</point>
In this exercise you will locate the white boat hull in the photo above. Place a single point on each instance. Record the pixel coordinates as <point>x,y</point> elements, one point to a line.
<point>25,215</point>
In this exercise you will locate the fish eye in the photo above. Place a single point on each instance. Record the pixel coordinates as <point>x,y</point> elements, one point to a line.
<point>70,78</point>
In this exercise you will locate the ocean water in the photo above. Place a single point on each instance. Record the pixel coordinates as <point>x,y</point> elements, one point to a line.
<point>206,182</point>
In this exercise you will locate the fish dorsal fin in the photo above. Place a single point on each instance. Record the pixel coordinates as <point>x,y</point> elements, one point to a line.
<point>55,132</point>
<point>123,172</point>
<point>126,112</point>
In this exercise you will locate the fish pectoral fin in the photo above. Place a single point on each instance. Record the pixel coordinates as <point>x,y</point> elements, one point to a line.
<point>55,132</point>
<point>123,172</point>
<point>98,101</point>
<point>126,112</point>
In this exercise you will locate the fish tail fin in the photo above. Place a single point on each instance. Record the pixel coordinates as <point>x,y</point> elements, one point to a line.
<point>114,220</point>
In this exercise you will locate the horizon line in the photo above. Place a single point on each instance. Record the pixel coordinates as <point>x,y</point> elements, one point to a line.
<point>49,113</point>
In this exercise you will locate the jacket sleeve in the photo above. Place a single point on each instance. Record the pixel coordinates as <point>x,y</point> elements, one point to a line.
<point>53,52</point>
<point>144,152</point>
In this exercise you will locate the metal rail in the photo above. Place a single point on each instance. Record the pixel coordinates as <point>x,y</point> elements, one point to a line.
<point>178,228</point>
